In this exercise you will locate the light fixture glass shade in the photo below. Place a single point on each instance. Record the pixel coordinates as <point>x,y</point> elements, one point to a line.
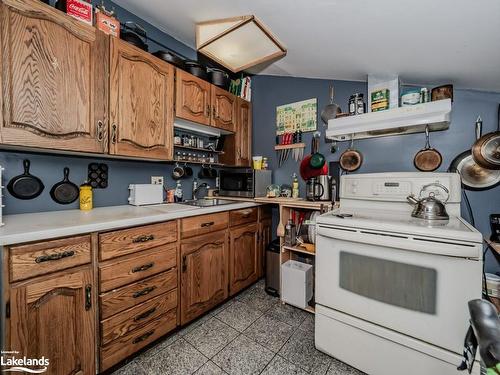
<point>237,43</point>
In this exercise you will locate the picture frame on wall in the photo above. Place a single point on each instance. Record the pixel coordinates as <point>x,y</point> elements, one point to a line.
<point>297,116</point>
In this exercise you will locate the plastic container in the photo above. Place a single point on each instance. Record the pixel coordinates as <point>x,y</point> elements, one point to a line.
<point>296,283</point>
<point>492,288</point>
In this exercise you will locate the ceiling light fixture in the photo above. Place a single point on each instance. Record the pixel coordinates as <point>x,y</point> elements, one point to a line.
<point>237,43</point>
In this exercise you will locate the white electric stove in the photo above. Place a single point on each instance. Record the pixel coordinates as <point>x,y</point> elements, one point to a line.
<point>392,290</point>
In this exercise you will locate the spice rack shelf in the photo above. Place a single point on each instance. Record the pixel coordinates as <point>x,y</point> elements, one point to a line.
<point>198,149</point>
<point>199,162</point>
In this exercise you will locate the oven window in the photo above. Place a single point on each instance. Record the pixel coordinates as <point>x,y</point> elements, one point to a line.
<point>399,284</point>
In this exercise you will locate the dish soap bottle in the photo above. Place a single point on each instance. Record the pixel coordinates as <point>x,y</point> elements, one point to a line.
<point>178,192</point>
<point>295,186</point>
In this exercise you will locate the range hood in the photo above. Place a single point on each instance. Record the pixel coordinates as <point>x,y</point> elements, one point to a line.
<point>402,120</point>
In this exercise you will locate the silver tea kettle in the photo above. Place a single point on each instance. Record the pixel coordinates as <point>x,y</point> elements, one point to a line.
<point>429,208</point>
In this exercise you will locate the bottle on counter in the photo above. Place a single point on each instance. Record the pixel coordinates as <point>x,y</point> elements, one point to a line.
<point>290,233</point>
<point>86,197</point>
<point>295,186</point>
<point>178,192</point>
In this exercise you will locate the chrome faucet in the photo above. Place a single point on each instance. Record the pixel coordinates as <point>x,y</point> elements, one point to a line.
<point>197,187</point>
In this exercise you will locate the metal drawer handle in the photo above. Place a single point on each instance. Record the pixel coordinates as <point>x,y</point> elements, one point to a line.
<point>55,256</point>
<point>143,337</point>
<point>145,314</point>
<point>113,133</point>
<point>100,131</point>
<point>184,263</point>
<point>144,238</point>
<point>144,267</point>
<point>88,297</point>
<point>143,292</point>
<point>246,215</point>
<point>209,224</point>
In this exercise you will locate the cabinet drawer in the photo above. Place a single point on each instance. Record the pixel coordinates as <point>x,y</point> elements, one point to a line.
<point>246,215</point>
<point>45,257</point>
<point>127,241</point>
<point>125,322</point>
<point>121,299</point>
<point>137,267</point>
<point>125,346</point>
<point>194,226</point>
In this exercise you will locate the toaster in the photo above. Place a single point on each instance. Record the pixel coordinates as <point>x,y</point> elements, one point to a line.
<point>144,194</point>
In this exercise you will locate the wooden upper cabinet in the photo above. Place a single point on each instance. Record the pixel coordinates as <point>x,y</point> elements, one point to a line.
<point>244,262</point>
<point>53,79</point>
<point>55,317</point>
<point>141,103</point>
<point>204,276</point>
<point>244,133</point>
<point>192,98</point>
<point>224,108</point>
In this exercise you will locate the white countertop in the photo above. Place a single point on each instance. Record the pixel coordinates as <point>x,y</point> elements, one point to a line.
<point>45,225</point>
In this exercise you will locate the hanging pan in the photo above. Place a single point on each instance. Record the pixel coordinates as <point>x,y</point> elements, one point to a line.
<point>351,159</point>
<point>427,159</point>
<point>486,149</point>
<point>474,176</point>
<point>65,192</point>
<point>25,186</point>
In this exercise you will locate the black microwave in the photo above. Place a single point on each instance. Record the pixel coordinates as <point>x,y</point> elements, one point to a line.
<point>244,182</point>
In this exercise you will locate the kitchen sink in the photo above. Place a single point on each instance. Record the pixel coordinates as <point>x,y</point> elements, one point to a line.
<point>208,202</point>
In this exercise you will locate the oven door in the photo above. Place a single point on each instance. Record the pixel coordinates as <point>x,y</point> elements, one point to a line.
<point>395,282</point>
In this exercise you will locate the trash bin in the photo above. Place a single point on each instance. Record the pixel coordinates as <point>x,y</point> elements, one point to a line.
<point>296,283</point>
<point>273,268</point>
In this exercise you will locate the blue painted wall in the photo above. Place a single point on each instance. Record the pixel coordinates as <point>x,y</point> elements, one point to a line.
<point>386,154</point>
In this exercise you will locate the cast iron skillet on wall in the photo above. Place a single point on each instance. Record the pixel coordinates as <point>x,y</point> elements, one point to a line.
<point>25,186</point>
<point>65,192</point>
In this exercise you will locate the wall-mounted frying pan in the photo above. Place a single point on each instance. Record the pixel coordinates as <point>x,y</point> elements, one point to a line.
<point>65,192</point>
<point>486,149</point>
<point>25,186</point>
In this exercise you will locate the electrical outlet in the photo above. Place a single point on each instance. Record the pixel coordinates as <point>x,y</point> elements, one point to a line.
<point>157,180</point>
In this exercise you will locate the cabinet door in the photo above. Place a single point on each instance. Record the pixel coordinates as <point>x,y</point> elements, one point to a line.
<point>244,134</point>
<point>192,98</point>
<point>141,103</point>
<point>243,257</point>
<point>54,317</point>
<point>265,237</point>
<point>204,276</point>
<point>54,89</point>
<point>224,109</point>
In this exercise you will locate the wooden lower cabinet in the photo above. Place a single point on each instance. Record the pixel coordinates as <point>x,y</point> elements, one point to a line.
<point>54,317</point>
<point>244,257</point>
<point>204,273</point>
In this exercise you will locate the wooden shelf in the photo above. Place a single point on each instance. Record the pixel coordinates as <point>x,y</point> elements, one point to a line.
<point>199,162</point>
<point>299,249</point>
<point>495,246</point>
<point>198,149</point>
<point>290,146</point>
<point>295,202</point>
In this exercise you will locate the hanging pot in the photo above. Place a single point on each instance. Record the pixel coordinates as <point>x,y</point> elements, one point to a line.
<point>351,159</point>
<point>473,176</point>
<point>427,159</point>
<point>330,111</point>
<point>65,191</point>
<point>486,149</point>
<point>134,34</point>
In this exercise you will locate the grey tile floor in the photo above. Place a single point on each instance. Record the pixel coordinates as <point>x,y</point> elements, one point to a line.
<point>253,333</point>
